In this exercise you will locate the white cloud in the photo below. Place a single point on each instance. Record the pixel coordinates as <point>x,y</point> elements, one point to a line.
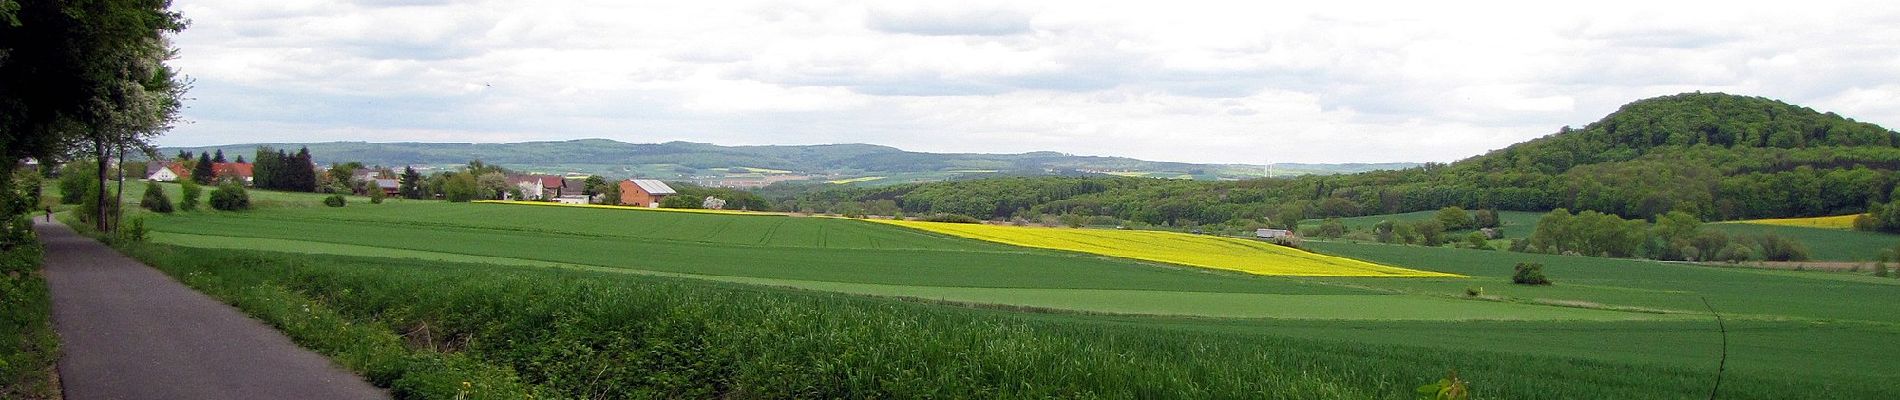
<point>1194,81</point>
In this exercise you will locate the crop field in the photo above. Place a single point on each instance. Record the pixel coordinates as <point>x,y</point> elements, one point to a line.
<point>1250,256</point>
<point>1823,244</point>
<point>1609,328</point>
<point>1840,222</point>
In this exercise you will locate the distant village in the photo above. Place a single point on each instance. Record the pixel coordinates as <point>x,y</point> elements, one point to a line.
<point>478,181</point>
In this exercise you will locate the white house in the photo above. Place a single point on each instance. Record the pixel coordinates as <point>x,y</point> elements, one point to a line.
<point>168,172</point>
<point>1266,233</point>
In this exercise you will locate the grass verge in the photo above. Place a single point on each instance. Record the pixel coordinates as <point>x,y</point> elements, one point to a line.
<point>28,347</point>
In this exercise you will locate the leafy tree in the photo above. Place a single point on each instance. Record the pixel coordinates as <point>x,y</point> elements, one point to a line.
<point>1777,248</point>
<point>1331,228</point>
<point>610,195</point>
<point>376,194</point>
<point>230,196</point>
<point>1487,218</point>
<point>1430,232</point>
<point>593,185</point>
<point>1453,218</point>
<point>1529,274</point>
<point>75,182</point>
<point>155,199</point>
<point>684,201</point>
<point>1478,240</point>
<point>459,187</point>
<point>189,194</point>
<point>491,185</point>
<point>203,172</point>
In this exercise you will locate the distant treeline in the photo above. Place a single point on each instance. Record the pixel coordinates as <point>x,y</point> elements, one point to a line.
<point>1711,156</point>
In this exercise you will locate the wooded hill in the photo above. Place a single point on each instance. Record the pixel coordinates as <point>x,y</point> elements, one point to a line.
<point>1713,155</point>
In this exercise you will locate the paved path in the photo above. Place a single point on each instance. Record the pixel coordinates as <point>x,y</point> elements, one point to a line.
<point>130,332</point>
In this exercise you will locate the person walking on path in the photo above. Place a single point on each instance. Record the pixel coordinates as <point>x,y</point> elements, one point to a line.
<point>128,331</point>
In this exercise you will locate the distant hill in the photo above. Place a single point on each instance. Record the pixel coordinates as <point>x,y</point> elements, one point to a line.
<point>1714,155</point>
<point>839,162</point>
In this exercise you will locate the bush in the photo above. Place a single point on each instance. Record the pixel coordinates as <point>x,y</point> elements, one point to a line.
<point>1777,248</point>
<point>1478,240</point>
<point>188,201</point>
<point>1474,291</point>
<point>376,194</point>
<point>953,218</point>
<point>230,196</point>
<point>1529,274</point>
<point>1880,269</point>
<point>1332,228</point>
<point>74,179</point>
<point>335,200</point>
<point>1734,253</point>
<point>155,199</point>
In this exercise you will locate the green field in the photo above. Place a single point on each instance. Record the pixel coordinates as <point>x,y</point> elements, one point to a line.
<point>1823,244</point>
<point>1610,328</point>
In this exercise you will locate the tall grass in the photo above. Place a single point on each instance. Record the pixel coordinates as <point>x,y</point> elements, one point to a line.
<point>512,331</point>
<point>28,346</point>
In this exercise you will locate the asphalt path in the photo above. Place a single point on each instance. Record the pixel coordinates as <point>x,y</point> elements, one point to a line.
<point>128,331</point>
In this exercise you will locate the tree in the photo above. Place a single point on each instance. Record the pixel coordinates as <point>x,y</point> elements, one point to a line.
<point>85,78</point>
<point>189,194</point>
<point>593,185</point>
<point>1453,218</point>
<point>155,199</point>
<point>203,172</point>
<point>218,157</point>
<point>411,185</point>
<point>1331,228</point>
<point>240,160</point>
<point>459,187</point>
<point>75,182</point>
<point>491,185</point>
<point>1486,218</point>
<point>230,196</point>
<point>1529,274</point>
<point>610,195</point>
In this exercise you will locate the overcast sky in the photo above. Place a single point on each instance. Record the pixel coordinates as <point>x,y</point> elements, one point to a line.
<point>1325,81</point>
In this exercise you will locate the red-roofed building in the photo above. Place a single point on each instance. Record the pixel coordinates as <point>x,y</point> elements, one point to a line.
<point>231,170</point>
<point>167,172</point>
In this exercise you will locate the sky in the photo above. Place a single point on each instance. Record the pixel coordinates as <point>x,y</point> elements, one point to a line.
<point>1209,82</point>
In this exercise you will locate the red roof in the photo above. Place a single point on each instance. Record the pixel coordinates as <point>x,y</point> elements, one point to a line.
<point>241,170</point>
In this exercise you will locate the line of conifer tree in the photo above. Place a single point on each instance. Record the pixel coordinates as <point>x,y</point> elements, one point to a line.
<point>276,169</point>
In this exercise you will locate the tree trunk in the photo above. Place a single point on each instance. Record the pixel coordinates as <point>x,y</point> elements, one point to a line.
<point>99,218</point>
<point>118,205</point>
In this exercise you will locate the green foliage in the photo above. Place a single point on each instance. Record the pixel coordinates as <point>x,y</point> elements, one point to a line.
<point>682,201</point>
<point>190,192</point>
<point>1478,241</point>
<point>1486,219</point>
<point>1880,217</point>
<point>1777,248</point>
<point>204,171</point>
<point>335,200</point>
<point>155,200</point>
<point>230,196</point>
<point>1332,228</point>
<point>1454,218</point>
<point>1529,274</point>
<point>376,194</point>
<point>28,346</point>
<point>460,187</point>
<point>75,179</point>
<point>953,218</point>
<point>1588,233</point>
<point>1429,233</point>
<point>1449,388</point>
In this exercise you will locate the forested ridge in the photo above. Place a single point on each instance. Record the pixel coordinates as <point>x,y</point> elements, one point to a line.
<point>1715,156</point>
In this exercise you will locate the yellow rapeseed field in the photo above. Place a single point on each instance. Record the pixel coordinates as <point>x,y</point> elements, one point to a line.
<point>1842,222</point>
<point>686,210</point>
<point>1214,252</point>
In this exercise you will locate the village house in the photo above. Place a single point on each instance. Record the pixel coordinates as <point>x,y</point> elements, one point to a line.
<point>240,172</point>
<point>644,192</point>
<point>1266,233</point>
<point>538,187</point>
<point>390,187</point>
<point>174,171</point>
<point>167,172</point>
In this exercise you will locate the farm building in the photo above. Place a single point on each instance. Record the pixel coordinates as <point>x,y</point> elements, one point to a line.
<point>538,187</point>
<point>574,199</point>
<point>1265,233</point>
<point>167,172</point>
<point>390,187</point>
<point>644,192</point>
